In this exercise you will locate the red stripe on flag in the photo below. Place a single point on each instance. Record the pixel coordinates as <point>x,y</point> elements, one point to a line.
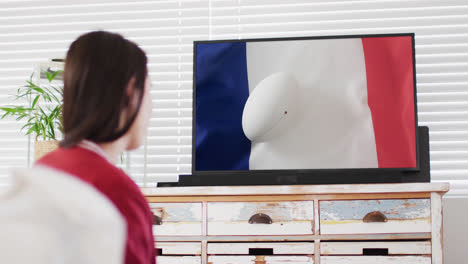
<point>389,72</point>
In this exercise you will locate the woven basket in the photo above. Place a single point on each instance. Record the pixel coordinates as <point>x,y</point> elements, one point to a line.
<point>43,147</point>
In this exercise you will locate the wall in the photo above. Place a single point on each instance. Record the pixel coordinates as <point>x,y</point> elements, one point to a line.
<point>455,230</point>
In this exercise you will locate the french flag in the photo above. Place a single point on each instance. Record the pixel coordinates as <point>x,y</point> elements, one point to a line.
<point>305,104</point>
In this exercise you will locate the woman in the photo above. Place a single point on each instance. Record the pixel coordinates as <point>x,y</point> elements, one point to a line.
<point>106,110</point>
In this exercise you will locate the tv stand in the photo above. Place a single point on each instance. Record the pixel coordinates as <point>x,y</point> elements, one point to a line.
<point>313,224</point>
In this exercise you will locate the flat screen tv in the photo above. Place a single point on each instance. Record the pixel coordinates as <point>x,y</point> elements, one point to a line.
<point>327,106</point>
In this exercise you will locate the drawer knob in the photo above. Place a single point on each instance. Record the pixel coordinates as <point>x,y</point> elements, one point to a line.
<point>260,219</point>
<point>260,260</point>
<point>375,217</point>
<point>157,220</point>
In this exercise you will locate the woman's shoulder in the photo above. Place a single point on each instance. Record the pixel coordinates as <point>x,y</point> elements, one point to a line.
<point>98,172</point>
<point>75,157</point>
<point>89,167</point>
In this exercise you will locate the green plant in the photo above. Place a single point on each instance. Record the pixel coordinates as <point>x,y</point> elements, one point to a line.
<point>41,108</point>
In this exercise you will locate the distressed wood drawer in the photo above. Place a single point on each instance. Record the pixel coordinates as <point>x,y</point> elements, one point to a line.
<point>363,248</point>
<point>287,218</point>
<point>375,216</point>
<point>375,260</point>
<point>260,259</point>
<point>283,248</point>
<point>178,248</point>
<point>177,219</point>
<point>178,260</point>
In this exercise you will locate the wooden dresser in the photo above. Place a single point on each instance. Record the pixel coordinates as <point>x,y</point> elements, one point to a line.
<point>326,224</point>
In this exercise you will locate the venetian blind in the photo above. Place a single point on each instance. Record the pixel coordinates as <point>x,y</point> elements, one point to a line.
<point>441,38</point>
<point>34,31</point>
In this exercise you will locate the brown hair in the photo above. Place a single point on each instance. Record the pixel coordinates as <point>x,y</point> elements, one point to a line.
<point>98,68</point>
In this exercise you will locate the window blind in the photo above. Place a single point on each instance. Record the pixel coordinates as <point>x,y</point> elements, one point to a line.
<point>35,31</point>
<point>32,32</point>
<point>441,39</point>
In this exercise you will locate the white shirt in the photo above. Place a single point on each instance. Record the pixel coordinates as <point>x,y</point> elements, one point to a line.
<point>50,217</point>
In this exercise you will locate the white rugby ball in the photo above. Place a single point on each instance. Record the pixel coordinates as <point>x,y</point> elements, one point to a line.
<point>271,107</point>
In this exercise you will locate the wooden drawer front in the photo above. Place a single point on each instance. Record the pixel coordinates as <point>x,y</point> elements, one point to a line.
<point>178,219</point>
<point>178,248</point>
<point>288,218</point>
<point>375,260</point>
<point>260,259</point>
<point>360,248</point>
<point>178,260</point>
<point>385,216</point>
<point>286,248</point>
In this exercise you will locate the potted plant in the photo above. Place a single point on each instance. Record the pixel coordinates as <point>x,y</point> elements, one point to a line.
<point>41,108</point>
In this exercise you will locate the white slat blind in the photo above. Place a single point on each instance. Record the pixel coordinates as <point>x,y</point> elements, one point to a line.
<point>34,31</point>
<point>441,29</point>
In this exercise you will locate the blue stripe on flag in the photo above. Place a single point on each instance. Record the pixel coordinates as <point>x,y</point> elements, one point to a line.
<point>221,92</point>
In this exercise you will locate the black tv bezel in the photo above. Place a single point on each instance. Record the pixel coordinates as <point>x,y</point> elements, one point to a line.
<point>309,173</point>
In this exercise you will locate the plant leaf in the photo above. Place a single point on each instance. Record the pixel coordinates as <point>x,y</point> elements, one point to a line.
<point>43,131</point>
<point>7,109</point>
<point>49,94</point>
<point>5,115</point>
<point>30,130</point>
<point>31,119</point>
<point>35,101</point>
<point>48,76</point>
<point>41,120</point>
<point>34,128</point>
<point>21,116</point>
<point>51,118</point>
<point>38,89</point>
<point>14,110</point>
<point>31,85</point>
<point>42,111</point>
<point>58,90</point>
<point>27,125</point>
<point>52,77</point>
<point>51,130</point>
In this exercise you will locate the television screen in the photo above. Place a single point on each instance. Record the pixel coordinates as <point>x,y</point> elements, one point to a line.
<point>337,102</point>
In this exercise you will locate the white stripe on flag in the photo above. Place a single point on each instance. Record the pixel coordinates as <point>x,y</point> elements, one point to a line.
<point>328,122</point>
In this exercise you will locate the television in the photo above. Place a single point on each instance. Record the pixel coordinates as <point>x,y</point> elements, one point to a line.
<point>323,109</point>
